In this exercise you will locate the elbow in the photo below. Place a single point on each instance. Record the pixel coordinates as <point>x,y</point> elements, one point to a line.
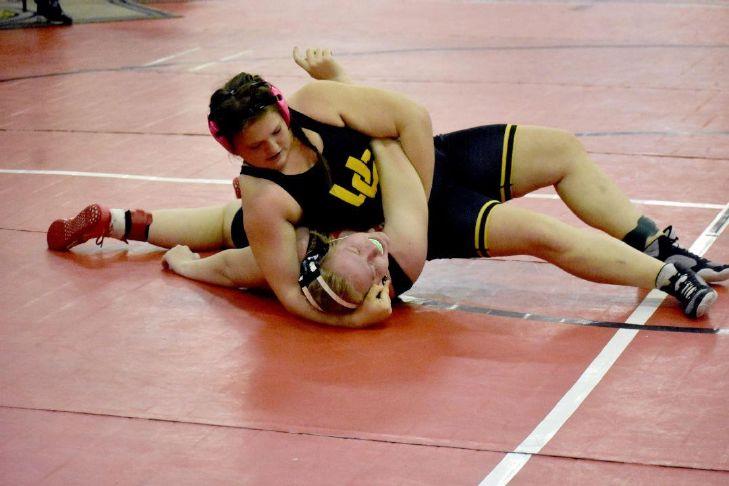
<point>418,264</point>
<point>420,250</point>
<point>225,279</point>
<point>412,116</point>
<point>422,116</point>
<point>412,261</point>
<point>291,300</point>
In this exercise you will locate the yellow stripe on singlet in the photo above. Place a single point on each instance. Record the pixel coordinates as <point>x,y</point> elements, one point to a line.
<point>504,155</point>
<point>482,250</point>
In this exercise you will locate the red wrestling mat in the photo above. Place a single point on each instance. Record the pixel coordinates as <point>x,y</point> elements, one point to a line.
<point>677,393</point>
<point>113,370</point>
<point>139,343</point>
<point>95,448</point>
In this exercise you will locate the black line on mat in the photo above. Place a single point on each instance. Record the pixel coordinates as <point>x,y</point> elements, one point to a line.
<point>406,441</point>
<point>394,51</point>
<point>561,320</point>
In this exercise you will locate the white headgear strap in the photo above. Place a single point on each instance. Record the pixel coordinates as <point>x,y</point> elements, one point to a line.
<point>329,291</point>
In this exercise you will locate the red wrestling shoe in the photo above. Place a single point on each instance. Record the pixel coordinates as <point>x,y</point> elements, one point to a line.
<point>92,222</point>
<point>236,187</point>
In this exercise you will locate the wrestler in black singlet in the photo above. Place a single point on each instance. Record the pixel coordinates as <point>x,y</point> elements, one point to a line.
<point>472,175</point>
<point>348,196</point>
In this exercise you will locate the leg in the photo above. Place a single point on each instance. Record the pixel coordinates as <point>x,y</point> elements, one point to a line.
<point>549,157</point>
<point>51,10</point>
<point>586,254</point>
<point>202,229</point>
<point>505,161</point>
<point>545,156</point>
<point>593,256</point>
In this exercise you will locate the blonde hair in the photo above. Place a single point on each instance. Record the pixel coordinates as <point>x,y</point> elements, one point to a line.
<point>338,284</point>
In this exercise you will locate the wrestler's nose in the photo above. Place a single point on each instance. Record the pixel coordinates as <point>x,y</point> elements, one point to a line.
<point>272,148</point>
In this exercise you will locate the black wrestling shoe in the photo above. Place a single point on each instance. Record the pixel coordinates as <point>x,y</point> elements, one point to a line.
<point>51,10</point>
<point>666,249</point>
<point>693,293</point>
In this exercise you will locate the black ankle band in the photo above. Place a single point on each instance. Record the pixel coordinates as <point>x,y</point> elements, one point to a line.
<point>127,223</point>
<point>638,237</point>
<point>137,223</point>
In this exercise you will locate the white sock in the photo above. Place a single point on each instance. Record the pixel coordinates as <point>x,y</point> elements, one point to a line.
<point>664,275</point>
<point>118,226</point>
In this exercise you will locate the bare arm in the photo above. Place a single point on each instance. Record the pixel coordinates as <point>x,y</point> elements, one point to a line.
<point>320,64</point>
<point>374,112</point>
<point>228,268</point>
<point>404,205</point>
<point>271,234</point>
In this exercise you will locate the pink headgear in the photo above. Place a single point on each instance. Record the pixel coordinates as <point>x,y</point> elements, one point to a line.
<point>281,104</point>
<point>283,109</point>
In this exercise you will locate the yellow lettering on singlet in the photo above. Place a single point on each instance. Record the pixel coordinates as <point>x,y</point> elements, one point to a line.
<point>364,181</point>
<point>347,196</point>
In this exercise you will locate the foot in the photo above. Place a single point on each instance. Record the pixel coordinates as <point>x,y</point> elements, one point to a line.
<point>693,293</point>
<point>92,222</point>
<point>665,248</point>
<point>51,10</point>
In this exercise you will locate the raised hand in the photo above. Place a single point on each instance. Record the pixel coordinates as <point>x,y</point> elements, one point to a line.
<point>320,64</point>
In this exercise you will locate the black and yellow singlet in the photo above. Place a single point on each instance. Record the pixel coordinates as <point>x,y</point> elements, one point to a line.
<point>349,196</point>
<point>472,176</point>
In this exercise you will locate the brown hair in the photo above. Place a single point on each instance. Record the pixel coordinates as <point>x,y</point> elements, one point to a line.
<point>245,98</point>
<point>242,99</point>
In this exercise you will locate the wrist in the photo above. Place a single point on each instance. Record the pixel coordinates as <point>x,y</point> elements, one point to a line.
<point>180,265</point>
<point>174,265</point>
<point>353,320</point>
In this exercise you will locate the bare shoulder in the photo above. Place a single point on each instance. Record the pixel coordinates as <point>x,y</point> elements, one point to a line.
<point>317,100</point>
<point>265,201</point>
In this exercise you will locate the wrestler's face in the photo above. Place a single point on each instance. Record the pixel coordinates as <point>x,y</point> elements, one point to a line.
<point>265,142</point>
<point>361,259</point>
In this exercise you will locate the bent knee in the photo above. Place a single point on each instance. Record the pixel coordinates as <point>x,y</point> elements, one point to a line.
<point>564,146</point>
<point>544,157</point>
<point>546,236</point>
